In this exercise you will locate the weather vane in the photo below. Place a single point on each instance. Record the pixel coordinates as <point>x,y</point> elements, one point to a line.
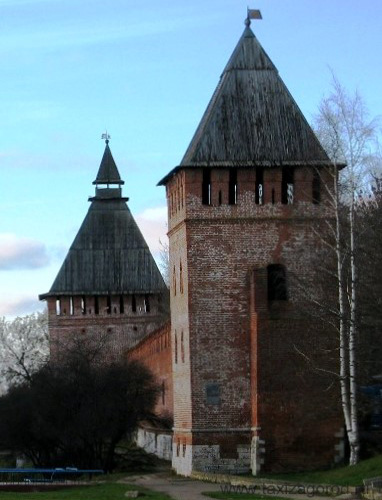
<point>252,14</point>
<point>106,136</point>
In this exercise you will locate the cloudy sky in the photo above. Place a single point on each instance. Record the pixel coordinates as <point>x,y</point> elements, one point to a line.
<point>144,71</point>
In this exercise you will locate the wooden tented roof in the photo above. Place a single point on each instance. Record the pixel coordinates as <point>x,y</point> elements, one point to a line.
<point>108,171</point>
<point>252,119</point>
<point>109,254</point>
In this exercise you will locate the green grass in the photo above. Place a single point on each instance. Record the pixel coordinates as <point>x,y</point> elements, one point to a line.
<point>104,491</point>
<point>242,496</point>
<point>343,476</point>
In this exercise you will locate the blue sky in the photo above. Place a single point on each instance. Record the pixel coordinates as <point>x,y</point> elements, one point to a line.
<point>70,69</point>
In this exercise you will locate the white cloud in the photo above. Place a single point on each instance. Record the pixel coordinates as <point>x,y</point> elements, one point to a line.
<point>21,253</point>
<point>153,224</point>
<point>20,306</point>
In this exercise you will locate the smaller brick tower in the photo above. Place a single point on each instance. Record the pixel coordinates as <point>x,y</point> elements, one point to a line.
<point>109,281</point>
<point>243,208</point>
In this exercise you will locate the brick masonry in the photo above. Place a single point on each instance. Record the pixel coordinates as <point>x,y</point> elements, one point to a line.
<point>239,380</point>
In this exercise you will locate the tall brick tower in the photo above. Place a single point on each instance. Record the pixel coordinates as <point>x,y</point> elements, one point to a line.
<point>109,283</point>
<point>242,206</point>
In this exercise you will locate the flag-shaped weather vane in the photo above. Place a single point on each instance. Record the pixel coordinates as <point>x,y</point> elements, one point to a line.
<point>252,14</point>
<point>106,136</point>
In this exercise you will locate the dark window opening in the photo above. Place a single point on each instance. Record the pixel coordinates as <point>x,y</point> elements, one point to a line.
<point>220,198</point>
<point>180,278</point>
<point>277,282</point>
<point>135,328</point>
<point>181,347</point>
<point>121,305</point>
<point>147,304</point>
<point>114,310</point>
<point>232,187</point>
<point>177,447</point>
<point>174,280</point>
<point>316,188</point>
<point>184,449</point>
<point>133,304</point>
<point>83,304</point>
<point>259,189</point>
<point>108,304</point>
<point>58,306</point>
<point>287,186</point>
<point>273,196</point>
<point>96,305</point>
<point>213,394</point>
<point>176,348</point>
<point>206,187</point>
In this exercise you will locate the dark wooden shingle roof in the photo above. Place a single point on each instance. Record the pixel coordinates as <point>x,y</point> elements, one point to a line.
<point>252,119</point>
<point>108,171</point>
<point>109,254</point>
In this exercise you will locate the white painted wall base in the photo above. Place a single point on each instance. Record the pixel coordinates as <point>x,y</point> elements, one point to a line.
<point>257,454</point>
<point>156,442</point>
<point>206,458</point>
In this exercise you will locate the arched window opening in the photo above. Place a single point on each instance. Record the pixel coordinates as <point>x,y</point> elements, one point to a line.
<point>316,188</point>
<point>206,187</point>
<point>273,196</point>
<point>108,304</point>
<point>277,282</point>
<point>287,185</point>
<point>133,304</point>
<point>71,306</point>
<point>259,189</point>
<point>96,305</point>
<point>232,187</point>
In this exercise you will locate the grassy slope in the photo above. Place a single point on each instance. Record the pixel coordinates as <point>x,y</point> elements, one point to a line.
<point>351,476</point>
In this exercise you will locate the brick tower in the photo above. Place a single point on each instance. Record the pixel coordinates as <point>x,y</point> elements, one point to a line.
<point>109,283</point>
<point>242,205</point>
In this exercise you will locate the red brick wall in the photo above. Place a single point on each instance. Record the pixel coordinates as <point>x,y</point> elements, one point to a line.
<point>155,353</point>
<point>119,330</point>
<point>248,351</point>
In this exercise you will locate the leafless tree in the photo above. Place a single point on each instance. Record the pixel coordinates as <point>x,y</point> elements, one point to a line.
<point>24,347</point>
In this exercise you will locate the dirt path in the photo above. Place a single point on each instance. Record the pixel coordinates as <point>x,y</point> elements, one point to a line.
<point>177,488</point>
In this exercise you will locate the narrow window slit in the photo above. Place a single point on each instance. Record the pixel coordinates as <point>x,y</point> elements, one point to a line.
<point>316,188</point>
<point>121,305</point>
<point>96,305</point>
<point>232,187</point>
<point>206,187</point>
<point>259,189</point>
<point>287,186</point>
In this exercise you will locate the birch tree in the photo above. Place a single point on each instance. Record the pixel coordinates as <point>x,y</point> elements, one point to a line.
<point>349,137</point>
